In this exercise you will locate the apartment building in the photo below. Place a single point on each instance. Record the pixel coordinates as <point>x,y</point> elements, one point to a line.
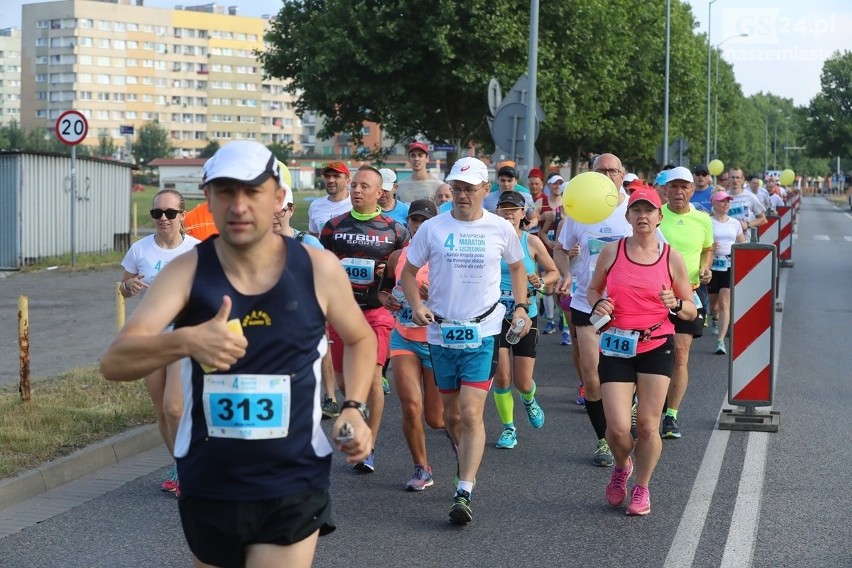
<point>10,76</point>
<point>122,64</point>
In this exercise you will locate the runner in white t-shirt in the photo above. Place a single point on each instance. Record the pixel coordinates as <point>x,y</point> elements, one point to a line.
<point>463,249</point>
<point>726,232</point>
<point>745,207</point>
<point>145,259</point>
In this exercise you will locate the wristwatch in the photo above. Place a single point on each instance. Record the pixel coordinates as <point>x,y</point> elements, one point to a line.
<point>678,307</point>
<point>525,307</point>
<point>359,406</point>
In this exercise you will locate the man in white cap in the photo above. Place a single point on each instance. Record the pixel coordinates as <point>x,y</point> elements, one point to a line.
<point>554,182</point>
<point>463,249</point>
<point>391,206</point>
<point>690,232</point>
<point>256,486</point>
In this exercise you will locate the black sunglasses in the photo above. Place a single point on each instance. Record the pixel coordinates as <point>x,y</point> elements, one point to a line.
<point>169,213</point>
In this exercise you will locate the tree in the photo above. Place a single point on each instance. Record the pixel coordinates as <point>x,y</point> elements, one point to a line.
<point>152,142</point>
<point>281,150</point>
<point>208,151</point>
<point>829,124</point>
<point>413,67</point>
<point>11,136</point>
<point>106,146</point>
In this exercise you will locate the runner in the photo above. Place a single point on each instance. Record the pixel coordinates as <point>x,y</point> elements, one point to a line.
<point>591,239</point>
<point>412,366</point>
<point>335,175</point>
<point>645,281</point>
<point>517,361</point>
<point>463,249</point>
<point>690,232</point>
<point>281,221</point>
<point>443,195</point>
<point>142,263</point>
<point>251,496</point>
<point>391,206</point>
<point>421,184</point>
<point>745,207</point>
<point>726,232</point>
<point>507,180</point>
<point>363,239</point>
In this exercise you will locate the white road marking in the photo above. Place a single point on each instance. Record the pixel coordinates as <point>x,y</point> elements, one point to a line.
<point>739,547</point>
<point>822,238</point>
<point>848,238</point>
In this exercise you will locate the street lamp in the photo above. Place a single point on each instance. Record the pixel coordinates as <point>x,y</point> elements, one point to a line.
<point>716,111</point>
<point>709,23</point>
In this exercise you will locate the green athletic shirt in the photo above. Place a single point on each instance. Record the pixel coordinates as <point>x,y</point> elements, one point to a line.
<point>688,234</point>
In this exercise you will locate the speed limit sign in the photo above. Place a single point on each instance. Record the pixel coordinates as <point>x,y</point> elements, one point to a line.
<point>71,127</point>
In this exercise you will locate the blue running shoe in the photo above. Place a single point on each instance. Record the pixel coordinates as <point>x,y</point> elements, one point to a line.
<point>366,466</point>
<point>566,338</point>
<point>603,457</point>
<point>508,439</point>
<point>421,479</point>
<point>549,327</point>
<point>534,413</point>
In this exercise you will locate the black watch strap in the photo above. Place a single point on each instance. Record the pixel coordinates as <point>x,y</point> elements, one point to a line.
<point>359,406</point>
<point>525,307</point>
<point>678,307</point>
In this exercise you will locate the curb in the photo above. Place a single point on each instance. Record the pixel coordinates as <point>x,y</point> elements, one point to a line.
<point>82,462</point>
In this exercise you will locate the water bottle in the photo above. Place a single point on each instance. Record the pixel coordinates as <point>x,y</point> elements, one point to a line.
<point>512,336</point>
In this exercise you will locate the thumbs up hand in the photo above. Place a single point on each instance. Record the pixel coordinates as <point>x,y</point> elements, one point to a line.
<point>219,342</point>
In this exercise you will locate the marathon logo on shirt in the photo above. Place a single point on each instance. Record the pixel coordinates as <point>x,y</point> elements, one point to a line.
<point>358,238</point>
<point>257,317</point>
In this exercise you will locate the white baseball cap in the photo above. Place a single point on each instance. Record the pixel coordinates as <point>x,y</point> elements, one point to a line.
<point>679,172</point>
<point>630,177</point>
<point>244,160</point>
<point>469,170</point>
<point>388,179</point>
<point>554,178</point>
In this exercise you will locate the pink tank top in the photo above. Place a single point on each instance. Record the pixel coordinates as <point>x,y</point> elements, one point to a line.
<point>410,333</point>
<point>635,289</point>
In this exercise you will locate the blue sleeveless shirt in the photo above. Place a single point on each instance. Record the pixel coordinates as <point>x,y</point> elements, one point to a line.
<point>285,329</point>
<point>506,297</point>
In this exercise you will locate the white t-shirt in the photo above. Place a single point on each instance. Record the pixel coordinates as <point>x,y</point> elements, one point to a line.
<point>464,267</point>
<point>775,201</point>
<point>745,207</point>
<point>147,258</point>
<point>410,190</point>
<point>322,209</point>
<point>725,234</point>
<point>592,239</point>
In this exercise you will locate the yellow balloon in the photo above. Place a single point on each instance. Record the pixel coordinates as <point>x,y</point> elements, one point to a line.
<point>589,198</point>
<point>286,177</point>
<point>716,167</point>
<point>787,177</point>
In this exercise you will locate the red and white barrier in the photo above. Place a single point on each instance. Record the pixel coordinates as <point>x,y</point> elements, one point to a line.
<point>785,238</point>
<point>768,233</point>
<point>753,318</point>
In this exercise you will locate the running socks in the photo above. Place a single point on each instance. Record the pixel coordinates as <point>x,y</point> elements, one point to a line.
<point>465,486</point>
<point>505,403</point>
<point>528,397</point>
<point>671,412</point>
<point>548,307</point>
<point>596,416</point>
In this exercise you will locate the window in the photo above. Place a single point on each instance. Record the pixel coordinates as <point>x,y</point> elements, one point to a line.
<point>118,44</point>
<point>120,27</point>
<point>41,113</point>
<point>131,80</point>
<point>85,59</point>
<point>132,44</point>
<point>85,24</point>
<point>41,60</point>
<point>118,79</point>
<point>131,27</point>
<point>85,41</point>
<point>103,43</point>
<point>43,24</point>
<point>103,79</point>
<point>132,62</point>
<point>103,24</point>
<point>84,78</point>
<point>103,97</point>
<point>118,97</point>
<point>131,97</point>
<point>41,42</point>
<point>117,115</point>
<point>130,115</point>
<point>41,96</point>
<point>103,114</point>
<point>84,95</point>
<point>103,61</point>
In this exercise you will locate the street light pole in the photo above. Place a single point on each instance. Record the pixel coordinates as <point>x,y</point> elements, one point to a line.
<point>765,144</point>
<point>716,111</point>
<point>532,97</point>
<point>709,24</point>
<point>666,97</point>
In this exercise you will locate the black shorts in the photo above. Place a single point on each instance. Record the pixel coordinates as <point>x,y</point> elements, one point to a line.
<point>218,532</point>
<point>658,361</point>
<point>694,327</point>
<point>526,347</point>
<point>719,280</point>
<point>580,319</point>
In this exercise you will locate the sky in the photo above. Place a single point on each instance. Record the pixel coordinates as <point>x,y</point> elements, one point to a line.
<point>787,41</point>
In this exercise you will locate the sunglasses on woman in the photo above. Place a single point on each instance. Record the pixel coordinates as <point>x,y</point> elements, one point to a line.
<point>169,213</point>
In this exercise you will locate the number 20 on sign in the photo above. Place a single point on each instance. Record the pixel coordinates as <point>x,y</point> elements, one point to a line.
<point>71,127</point>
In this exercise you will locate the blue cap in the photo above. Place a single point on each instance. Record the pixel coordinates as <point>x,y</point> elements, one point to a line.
<point>661,178</point>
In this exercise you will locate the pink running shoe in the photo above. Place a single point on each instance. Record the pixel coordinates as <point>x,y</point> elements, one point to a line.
<point>616,490</point>
<point>640,501</point>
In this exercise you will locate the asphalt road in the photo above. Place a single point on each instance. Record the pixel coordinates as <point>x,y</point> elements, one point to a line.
<point>719,498</point>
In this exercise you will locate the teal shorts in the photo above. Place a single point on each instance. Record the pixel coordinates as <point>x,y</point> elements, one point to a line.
<point>472,367</point>
<point>402,346</point>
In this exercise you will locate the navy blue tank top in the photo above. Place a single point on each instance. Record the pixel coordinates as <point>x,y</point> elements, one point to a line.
<point>285,329</point>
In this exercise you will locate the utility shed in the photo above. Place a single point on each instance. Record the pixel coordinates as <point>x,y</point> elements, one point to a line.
<point>35,206</point>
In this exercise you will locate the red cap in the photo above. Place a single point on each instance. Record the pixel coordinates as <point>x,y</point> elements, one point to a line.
<point>638,184</point>
<point>338,167</point>
<point>536,173</point>
<point>418,146</point>
<point>649,195</point>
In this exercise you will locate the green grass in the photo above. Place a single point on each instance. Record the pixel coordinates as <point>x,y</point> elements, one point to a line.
<point>87,261</point>
<point>66,413</point>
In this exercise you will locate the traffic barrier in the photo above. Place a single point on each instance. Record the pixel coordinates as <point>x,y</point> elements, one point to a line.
<point>785,238</point>
<point>751,361</point>
<point>768,234</point>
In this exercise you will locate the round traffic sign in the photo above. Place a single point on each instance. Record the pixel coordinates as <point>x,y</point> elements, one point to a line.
<point>71,127</point>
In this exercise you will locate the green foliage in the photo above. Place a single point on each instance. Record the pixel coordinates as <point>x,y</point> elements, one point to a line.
<point>152,141</point>
<point>281,151</point>
<point>106,146</point>
<point>210,149</point>
<point>829,122</point>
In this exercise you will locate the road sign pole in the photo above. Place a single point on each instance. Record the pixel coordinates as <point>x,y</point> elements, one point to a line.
<point>529,137</point>
<point>73,206</point>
